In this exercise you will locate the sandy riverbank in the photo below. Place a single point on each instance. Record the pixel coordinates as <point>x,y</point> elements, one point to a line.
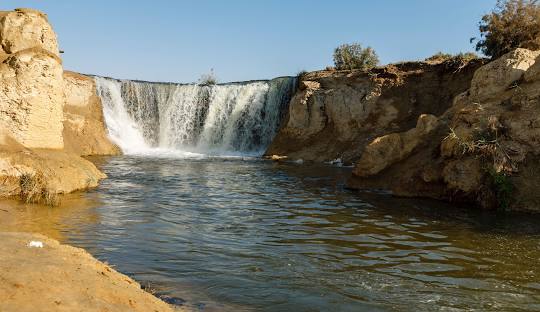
<point>59,277</point>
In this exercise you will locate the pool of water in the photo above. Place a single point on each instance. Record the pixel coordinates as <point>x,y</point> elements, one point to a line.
<point>254,235</point>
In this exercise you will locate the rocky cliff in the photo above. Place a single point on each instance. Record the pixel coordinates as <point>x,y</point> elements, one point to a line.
<point>335,114</point>
<point>84,130</point>
<point>48,117</point>
<point>484,149</point>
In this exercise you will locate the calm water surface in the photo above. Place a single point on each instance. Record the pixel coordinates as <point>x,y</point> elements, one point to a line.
<point>253,235</point>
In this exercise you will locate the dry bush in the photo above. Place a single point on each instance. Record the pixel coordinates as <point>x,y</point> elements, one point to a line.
<point>353,56</point>
<point>443,57</point>
<point>34,190</point>
<point>208,79</point>
<point>512,24</point>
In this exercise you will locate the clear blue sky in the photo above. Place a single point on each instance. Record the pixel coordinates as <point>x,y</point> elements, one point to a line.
<point>248,39</point>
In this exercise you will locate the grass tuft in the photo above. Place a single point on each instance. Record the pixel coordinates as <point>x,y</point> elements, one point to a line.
<point>502,186</point>
<point>34,190</point>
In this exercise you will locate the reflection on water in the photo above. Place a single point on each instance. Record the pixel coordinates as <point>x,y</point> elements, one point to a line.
<point>54,222</point>
<point>262,236</point>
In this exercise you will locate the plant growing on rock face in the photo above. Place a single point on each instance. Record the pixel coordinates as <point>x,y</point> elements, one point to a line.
<point>439,57</point>
<point>353,56</point>
<point>512,24</point>
<point>34,190</point>
<point>443,57</point>
<point>503,188</point>
<point>208,79</point>
<point>487,144</point>
<point>453,61</point>
<point>301,74</point>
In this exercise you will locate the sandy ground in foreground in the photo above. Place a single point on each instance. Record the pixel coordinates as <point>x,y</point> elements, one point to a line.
<point>59,277</point>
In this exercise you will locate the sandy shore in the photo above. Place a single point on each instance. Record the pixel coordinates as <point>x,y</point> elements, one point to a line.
<point>57,277</point>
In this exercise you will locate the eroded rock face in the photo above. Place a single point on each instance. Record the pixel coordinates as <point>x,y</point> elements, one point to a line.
<point>499,75</point>
<point>26,28</point>
<point>36,100</point>
<point>336,114</point>
<point>84,127</point>
<point>483,148</point>
<point>46,172</point>
<point>386,150</point>
<point>32,98</point>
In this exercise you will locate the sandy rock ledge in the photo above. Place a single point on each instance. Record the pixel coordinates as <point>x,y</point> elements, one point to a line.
<point>59,277</point>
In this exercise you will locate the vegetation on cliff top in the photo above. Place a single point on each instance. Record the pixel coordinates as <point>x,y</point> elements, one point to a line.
<point>512,24</point>
<point>208,79</point>
<point>443,57</point>
<point>353,56</point>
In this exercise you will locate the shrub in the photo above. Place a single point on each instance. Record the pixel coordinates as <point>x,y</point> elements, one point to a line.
<point>512,24</point>
<point>503,188</point>
<point>208,79</point>
<point>439,57</point>
<point>353,56</point>
<point>442,57</point>
<point>301,74</point>
<point>34,190</point>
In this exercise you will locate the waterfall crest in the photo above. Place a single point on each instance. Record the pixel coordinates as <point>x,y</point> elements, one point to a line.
<point>190,120</point>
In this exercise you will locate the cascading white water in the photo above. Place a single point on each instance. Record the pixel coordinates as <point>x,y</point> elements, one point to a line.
<point>189,119</point>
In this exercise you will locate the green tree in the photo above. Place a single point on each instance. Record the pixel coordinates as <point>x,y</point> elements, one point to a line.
<point>512,24</point>
<point>353,56</point>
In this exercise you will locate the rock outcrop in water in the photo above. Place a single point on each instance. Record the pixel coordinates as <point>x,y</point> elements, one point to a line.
<point>456,131</point>
<point>484,149</point>
<point>48,118</point>
<point>336,114</point>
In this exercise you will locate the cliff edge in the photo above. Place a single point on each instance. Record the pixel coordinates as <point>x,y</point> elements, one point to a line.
<point>335,114</point>
<point>483,150</point>
<point>48,117</point>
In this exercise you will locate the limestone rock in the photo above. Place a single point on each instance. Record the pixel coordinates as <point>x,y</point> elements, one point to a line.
<point>59,277</point>
<point>499,75</point>
<point>26,28</point>
<point>84,127</point>
<point>490,132</point>
<point>336,114</point>
<point>533,73</point>
<point>463,174</point>
<point>32,98</point>
<point>36,100</point>
<point>389,149</point>
<point>55,172</point>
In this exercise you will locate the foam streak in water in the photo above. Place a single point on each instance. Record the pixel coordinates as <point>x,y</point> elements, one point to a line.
<point>187,120</point>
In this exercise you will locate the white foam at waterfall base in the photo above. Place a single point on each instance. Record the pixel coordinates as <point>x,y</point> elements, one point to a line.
<point>122,128</point>
<point>193,121</point>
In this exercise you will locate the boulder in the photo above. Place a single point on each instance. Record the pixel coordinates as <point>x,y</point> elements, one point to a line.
<point>497,76</point>
<point>389,149</point>
<point>26,28</point>
<point>39,175</point>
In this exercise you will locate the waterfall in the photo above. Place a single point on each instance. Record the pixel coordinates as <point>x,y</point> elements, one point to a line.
<point>191,119</point>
